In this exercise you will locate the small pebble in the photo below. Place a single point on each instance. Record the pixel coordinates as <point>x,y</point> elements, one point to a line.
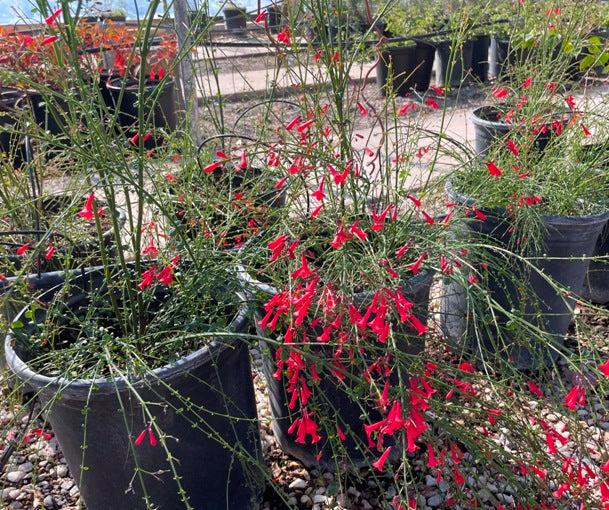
<point>15,476</point>
<point>435,500</point>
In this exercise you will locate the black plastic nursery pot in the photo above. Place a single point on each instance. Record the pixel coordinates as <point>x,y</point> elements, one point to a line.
<point>12,104</point>
<point>204,404</point>
<point>489,130</point>
<point>234,19</point>
<point>498,56</point>
<point>52,113</point>
<point>273,15</point>
<point>460,66</point>
<point>410,67</point>
<point>480,57</point>
<point>334,402</point>
<point>160,105</point>
<point>524,290</point>
<point>596,283</point>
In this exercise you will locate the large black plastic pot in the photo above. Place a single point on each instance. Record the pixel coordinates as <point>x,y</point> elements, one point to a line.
<point>52,113</point>
<point>273,15</point>
<point>204,404</point>
<point>461,63</point>
<point>334,402</point>
<point>596,283</point>
<point>480,57</point>
<point>498,56</point>
<point>410,66</point>
<point>489,130</point>
<point>163,115</point>
<point>523,289</point>
<point>234,19</point>
<point>395,70</point>
<point>12,106</point>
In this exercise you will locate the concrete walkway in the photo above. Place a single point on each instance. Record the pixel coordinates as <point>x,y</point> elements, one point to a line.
<point>236,80</point>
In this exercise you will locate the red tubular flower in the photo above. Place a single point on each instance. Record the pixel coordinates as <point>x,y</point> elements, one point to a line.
<point>277,246</point>
<point>405,108</point>
<point>165,276</point>
<point>260,16</point>
<point>147,278</point>
<point>527,82</point>
<point>292,124</point>
<point>50,252</point>
<point>499,92</point>
<point>243,161</point>
<point>340,433</point>
<point>303,127</point>
<point>512,147</point>
<point>431,457</point>
<point>22,249</point>
<point>49,40</point>
<point>141,437</point>
<point>51,19</point>
<point>571,102</point>
<point>316,212</point>
<point>303,271</point>
<point>362,110</point>
<point>585,130</point>
<point>380,463</point>
<point>416,265</point>
<point>576,396</point>
<point>379,219</point>
<point>340,238</point>
<point>400,252</point>
<point>414,200</point>
<point>437,90</point>
<point>535,389</point>
<point>459,480</point>
<point>305,426</point>
<point>604,368</point>
<point>151,436</point>
<point>338,177</point>
<point>284,36</point>
<point>355,230</point>
<point>318,194</point>
<point>428,218</point>
<point>87,211</point>
<point>493,169</point>
<point>432,103</point>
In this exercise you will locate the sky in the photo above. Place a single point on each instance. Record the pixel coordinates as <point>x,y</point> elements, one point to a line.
<point>12,11</point>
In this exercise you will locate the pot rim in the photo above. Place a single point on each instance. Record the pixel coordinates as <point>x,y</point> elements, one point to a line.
<point>167,372</point>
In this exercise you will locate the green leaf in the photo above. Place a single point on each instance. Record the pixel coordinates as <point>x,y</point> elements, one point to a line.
<point>587,61</point>
<point>16,324</point>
